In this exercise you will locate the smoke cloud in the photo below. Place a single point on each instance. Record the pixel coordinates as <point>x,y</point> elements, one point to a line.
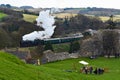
<point>46,21</point>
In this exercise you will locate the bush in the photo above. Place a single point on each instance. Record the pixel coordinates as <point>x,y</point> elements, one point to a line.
<point>74,47</point>
<point>48,46</point>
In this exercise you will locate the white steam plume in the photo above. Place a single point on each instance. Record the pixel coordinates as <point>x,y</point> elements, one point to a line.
<point>46,21</point>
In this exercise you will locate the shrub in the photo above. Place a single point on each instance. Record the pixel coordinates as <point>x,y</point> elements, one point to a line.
<point>74,46</point>
<point>48,46</point>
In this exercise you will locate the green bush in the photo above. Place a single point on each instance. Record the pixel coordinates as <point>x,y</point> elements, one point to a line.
<point>74,46</point>
<point>48,46</point>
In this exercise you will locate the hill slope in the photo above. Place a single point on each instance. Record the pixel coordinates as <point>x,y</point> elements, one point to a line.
<point>11,68</point>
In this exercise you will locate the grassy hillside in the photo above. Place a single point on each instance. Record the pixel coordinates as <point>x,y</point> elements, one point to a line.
<point>11,68</point>
<point>29,18</point>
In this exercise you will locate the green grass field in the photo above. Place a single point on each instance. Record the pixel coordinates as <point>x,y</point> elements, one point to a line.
<point>11,68</point>
<point>111,64</point>
<point>2,15</point>
<point>29,18</point>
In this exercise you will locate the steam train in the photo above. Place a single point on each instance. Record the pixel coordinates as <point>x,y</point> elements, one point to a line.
<point>37,42</point>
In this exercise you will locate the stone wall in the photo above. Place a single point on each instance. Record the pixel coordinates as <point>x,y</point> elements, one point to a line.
<point>49,56</point>
<point>23,55</point>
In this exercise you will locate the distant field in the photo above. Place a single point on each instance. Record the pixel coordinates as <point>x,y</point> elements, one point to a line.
<point>2,15</point>
<point>29,18</point>
<point>105,18</point>
<point>63,15</point>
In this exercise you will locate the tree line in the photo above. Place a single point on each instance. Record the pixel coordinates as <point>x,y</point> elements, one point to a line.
<point>78,23</point>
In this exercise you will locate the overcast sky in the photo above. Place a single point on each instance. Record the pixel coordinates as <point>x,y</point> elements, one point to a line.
<point>64,3</point>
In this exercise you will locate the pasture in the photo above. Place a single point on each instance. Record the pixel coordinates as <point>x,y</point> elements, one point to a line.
<point>63,15</point>
<point>112,66</point>
<point>29,17</point>
<point>105,18</point>
<point>2,15</point>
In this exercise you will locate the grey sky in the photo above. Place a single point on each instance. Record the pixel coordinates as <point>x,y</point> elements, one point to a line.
<point>64,3</point>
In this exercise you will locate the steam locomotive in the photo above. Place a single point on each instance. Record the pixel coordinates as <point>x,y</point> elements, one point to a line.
<point>37,42</point>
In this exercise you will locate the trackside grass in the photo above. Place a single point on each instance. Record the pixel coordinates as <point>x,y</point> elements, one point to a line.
<point>11,68</point>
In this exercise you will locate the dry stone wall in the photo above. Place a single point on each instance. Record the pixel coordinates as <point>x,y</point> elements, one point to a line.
<point>49,56</point>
